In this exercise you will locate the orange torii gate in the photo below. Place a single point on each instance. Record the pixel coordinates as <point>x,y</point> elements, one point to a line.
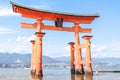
<point>59,18</point>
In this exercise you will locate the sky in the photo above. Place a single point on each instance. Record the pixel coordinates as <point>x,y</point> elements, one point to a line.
<point>105,29</point>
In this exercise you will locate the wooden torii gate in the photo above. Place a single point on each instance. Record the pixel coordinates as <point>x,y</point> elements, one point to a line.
<point>59,18</point>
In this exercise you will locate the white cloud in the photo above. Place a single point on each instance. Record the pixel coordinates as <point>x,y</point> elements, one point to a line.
<point>4,30</point>
<point>106,50</point>
<point>116,45</point>
<point>98,48</point>
<point>21,48</point>
<point>15,47</point>
<point>25,39</point>
<point>28,39</point>
<point>17,50</point>
<point>20,38</point>
<point>24,45</point>
<point>67,47</point>
<point>20,44</point>
<point>2,50</point>
<point>4,11</point>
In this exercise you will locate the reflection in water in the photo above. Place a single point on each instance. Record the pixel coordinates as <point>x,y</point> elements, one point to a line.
<point>89,77</point>
<point>34,78</point>
<point>80,77</point>
<point>73,77</point>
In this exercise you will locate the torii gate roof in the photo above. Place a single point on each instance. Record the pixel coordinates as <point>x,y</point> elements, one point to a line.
<point>34,13</point>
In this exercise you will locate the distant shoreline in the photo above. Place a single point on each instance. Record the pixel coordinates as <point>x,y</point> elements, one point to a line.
<point>107,71</point>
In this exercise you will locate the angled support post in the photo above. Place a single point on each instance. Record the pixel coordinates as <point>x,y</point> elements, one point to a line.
<point>33,58</point>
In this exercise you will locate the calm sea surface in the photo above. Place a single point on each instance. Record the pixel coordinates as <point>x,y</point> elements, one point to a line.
<point>52,74</point>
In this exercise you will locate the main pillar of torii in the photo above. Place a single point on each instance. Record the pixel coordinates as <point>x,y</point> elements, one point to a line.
<point>88,61</point>
<point>58,18</point>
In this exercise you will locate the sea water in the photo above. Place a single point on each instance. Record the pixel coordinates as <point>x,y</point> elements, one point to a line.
<point>52,74</point>
<point>14,74</point>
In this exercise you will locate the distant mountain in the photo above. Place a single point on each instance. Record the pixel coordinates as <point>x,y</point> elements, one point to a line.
<point>6,58</point>
<point>106,60</point>
<point>94,60</point>
<point>47,59</point>
<point>63,59</point>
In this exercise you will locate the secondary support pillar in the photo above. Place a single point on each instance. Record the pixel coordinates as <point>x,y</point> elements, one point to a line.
<point>78,57</point>
<point>33,58</point>
<point>72,57</point>
<point>89,71</point>
<point>39,36</point>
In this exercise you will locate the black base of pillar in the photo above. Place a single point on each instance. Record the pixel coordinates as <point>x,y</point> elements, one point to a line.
<point>34,77</point>
<point>33,72</point>
<point>79,72</point>
<point>72,71</point>
<point>39,74</point>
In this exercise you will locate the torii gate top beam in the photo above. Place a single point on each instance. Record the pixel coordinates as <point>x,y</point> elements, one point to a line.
<point>51,15</point>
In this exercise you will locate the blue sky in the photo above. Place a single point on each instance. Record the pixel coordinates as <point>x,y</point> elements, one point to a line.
<point>105,29</point>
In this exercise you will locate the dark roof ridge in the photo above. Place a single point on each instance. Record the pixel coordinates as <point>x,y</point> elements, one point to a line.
<point>54,12</point>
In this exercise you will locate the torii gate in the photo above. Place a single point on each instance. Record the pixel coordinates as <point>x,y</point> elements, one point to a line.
<point>59,18</point>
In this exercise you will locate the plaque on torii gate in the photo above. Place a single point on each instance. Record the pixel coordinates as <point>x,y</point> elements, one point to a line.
<point>58,18</point>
